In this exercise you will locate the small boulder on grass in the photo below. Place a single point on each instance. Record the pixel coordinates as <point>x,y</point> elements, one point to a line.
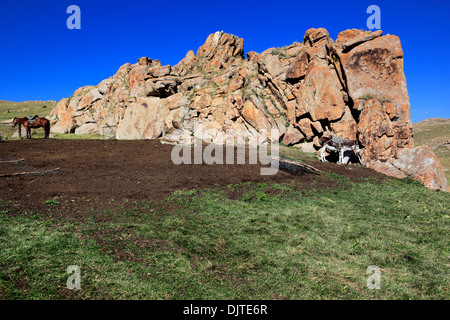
<point>23,132</point>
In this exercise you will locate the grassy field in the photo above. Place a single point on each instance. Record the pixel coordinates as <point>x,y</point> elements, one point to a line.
<point>436,134</point>
<point>9,110</point>
<point>23,109</point>
<point>271,242</point>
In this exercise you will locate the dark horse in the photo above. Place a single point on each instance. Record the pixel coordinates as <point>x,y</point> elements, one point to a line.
<point>36,123</point>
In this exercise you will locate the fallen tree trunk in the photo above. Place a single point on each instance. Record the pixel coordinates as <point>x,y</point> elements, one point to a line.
<point>295,167</point>
<point>29,173</point>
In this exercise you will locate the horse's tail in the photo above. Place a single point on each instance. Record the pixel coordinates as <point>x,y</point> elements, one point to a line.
<point>47,129</point>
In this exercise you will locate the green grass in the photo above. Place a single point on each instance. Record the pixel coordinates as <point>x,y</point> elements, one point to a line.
<point>381,99</point>
<point>39,134</point>
<point>73,136</point>
<point>281,52</point>
<point>295,153</point>
<point>272,242</point>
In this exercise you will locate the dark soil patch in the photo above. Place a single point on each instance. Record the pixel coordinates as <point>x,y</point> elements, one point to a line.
<point>96,175</point>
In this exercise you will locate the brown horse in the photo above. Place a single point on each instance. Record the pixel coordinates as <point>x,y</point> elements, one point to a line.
<point>36,123</point>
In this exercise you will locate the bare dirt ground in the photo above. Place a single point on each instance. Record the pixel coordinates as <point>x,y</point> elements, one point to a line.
<point>100,173</point>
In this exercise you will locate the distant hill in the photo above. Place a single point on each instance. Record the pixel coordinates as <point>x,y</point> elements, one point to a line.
<point>435,133</point>
<point>9,110</point>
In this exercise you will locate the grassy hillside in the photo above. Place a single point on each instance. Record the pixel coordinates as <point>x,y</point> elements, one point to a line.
<point>272,242</point>
<point>23,109</point>
<point>436,134</point>
<point>9,110</point>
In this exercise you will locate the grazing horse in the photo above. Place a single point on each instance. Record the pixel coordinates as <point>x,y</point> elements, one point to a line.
<point>36,123</point>
<point>341,146</point>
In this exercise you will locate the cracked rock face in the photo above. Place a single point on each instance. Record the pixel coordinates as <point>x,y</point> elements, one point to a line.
<point>354,87</point>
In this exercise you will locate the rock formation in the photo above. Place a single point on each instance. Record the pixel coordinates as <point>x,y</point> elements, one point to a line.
<point>354,87</point>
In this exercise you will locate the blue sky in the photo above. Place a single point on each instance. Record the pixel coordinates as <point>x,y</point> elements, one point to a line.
<point>41,59</point>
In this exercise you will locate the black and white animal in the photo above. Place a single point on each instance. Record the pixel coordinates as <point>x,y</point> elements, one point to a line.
<point>343,147</point>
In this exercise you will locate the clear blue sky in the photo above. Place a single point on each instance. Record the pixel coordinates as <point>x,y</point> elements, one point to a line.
<point>41,59</point>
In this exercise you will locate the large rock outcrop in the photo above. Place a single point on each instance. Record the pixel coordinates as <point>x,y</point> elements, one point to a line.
<point>354,87</point>
<point>419,162</point>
